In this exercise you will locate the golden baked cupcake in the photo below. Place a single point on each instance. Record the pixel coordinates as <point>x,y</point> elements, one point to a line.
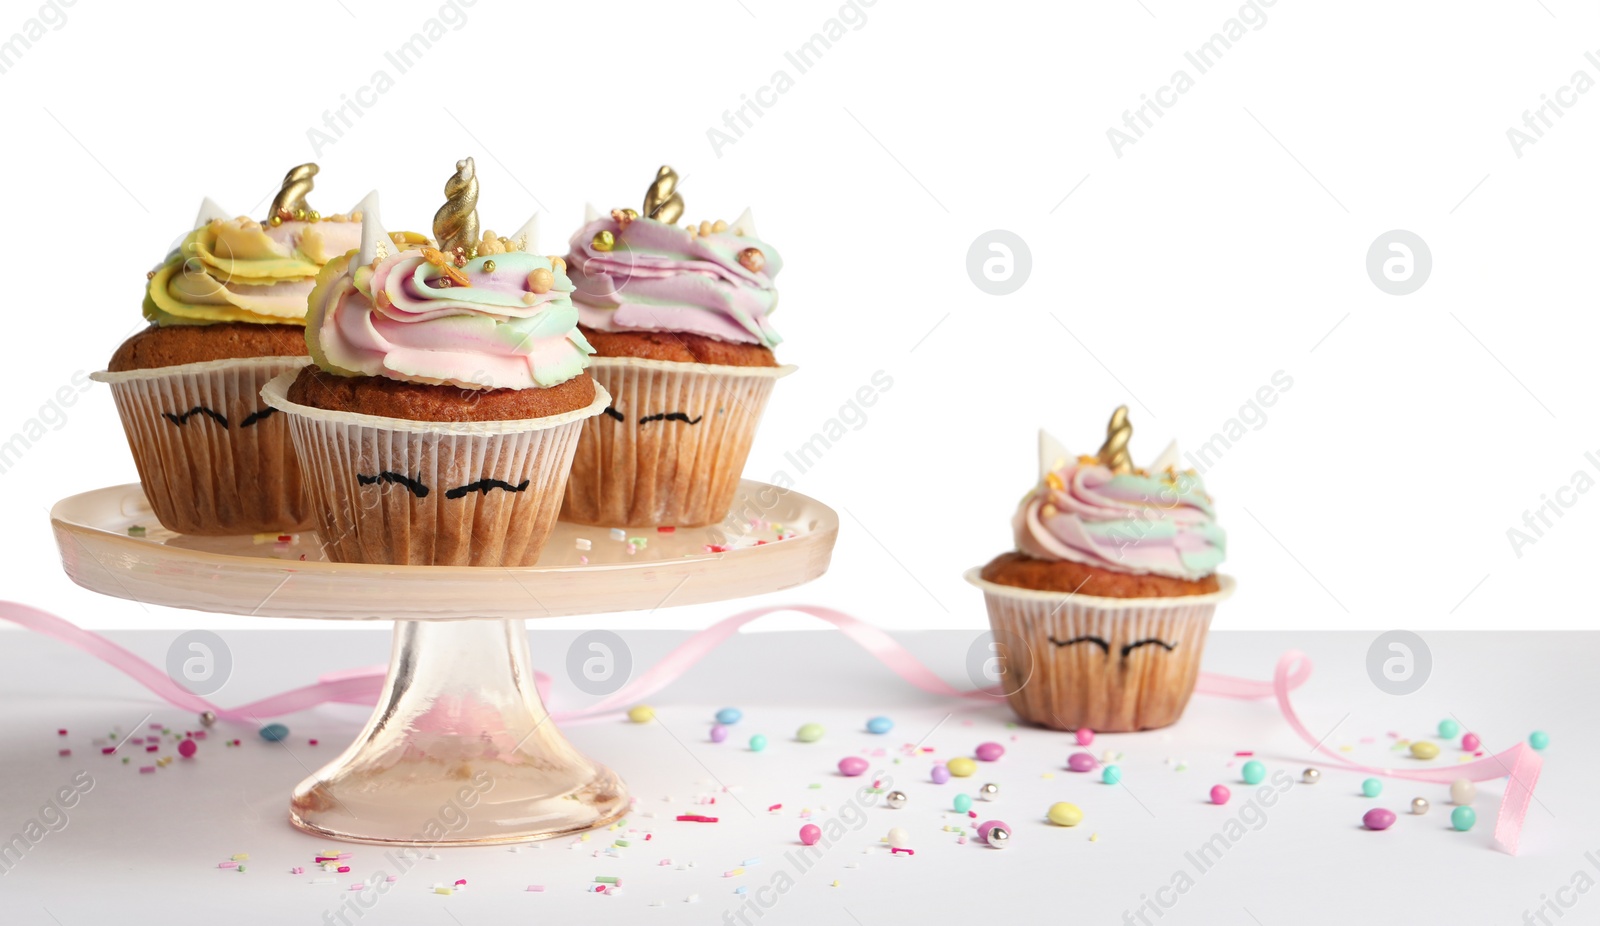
<point>678,319</point>
<point>437,423</point>
<point>227,313</point>
<point>1103,608</point>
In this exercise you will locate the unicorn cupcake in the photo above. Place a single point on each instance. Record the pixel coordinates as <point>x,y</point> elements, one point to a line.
<point>227,313</point>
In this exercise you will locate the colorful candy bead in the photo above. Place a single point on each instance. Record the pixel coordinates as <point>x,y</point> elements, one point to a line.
<point>880,725</point>
<point>1463,818</point>
<point>810,834</point>
<point>961,767</point>
<point>1112,775</point>
<point>1470,742</point>
<point>994,832</point>
<point>1463,792</point>
<point>1448,729</point>
<point>1372,787</point>
<point>1081,762</point>
<point>962,803</point>
<point>1065,814</point>
<point>642,713</point>
<point>1220,794</point>
<point>1253,772</point>
<point>1378,818</point>
<point>809,733</point>
<point>899,838</point>
<point>187,748</point>
<point>729,716</point>
<point>940,774</point>
<point>758,743</point>
<point>1422,749</point>
<point>1084,735</point>
<point>274,732</point>
<point>1538,739</point>
<point>718,733</point>
<point>989,752</point>
<point>851,766</point>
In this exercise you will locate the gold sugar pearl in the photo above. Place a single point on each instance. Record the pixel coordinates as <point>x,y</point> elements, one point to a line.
<point>559,264</point>
<point>719,226</point>
<point>540,281</point>
<point>444,283</point>
<point>603,241</point>
<point>705,228</point>
<point>275,221</point>
<point>314,216</point>
<point>752,259</point>
<point>529,298</point>
<point>488,266</point>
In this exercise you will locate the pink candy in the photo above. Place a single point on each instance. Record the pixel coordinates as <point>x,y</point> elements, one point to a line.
<point>851,766</point>
<point>940,774</point>
<point>1081,762</point>
<point>1085,736</point>
<point>1220,794</point>
<point>810,834</point>
<point>1378,819</point>
<point>988,752</point>
<point>1470,742</point>
<point>187,748</point>
<point>987,825</point>
<point>719,733</point>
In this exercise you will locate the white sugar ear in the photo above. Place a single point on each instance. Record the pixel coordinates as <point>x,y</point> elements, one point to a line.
<point>209,210</point>
<point>745,224</point>
<point>1052,454</point>
<point>1167,460</point>
<point>375,241</point>
<point>590,213</point>
<point>527,237</point>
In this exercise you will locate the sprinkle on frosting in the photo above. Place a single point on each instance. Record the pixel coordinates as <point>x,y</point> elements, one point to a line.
<point>417,316</point>
<point>634,273</point>
<point>1158,520</point>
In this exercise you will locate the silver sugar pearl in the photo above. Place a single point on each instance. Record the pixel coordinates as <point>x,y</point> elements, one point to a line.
<point>895,799</point>
<point>999,837</point>
<point>989,792</point>
<point>1310,776</point>
<point>1419,805</point>
<point>208,718</point>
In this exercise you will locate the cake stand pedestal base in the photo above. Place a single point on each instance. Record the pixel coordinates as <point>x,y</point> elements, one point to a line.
<point>459,752</point>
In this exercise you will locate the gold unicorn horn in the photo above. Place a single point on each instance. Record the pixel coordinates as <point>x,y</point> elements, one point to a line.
<point>1114,452</point>
<point>455,225</point>
<point>662,201</point>
<point>290,203</point>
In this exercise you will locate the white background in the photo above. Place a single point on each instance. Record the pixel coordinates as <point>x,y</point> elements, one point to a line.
<point>1227,244</point>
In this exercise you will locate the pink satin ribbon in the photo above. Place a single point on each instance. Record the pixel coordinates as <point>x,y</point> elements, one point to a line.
<point>1520,763</point>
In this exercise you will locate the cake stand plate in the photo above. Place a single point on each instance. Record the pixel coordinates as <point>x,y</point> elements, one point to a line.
<point>460,749</point>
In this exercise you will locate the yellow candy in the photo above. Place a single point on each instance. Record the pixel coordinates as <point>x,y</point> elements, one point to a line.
<point>1065,814</point>
<point>961,767</point>
<point>644,713</point>
<point>1424,750</point>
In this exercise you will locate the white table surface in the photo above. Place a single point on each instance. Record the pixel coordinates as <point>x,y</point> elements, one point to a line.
<point>144,848</point>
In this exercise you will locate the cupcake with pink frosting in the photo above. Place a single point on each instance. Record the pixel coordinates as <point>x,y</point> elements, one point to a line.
<point>679,318</point>
<point>1104,605</point>
<point>438,419</point>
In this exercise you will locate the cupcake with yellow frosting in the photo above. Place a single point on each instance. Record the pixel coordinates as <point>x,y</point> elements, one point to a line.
<point>438,421</point>
<point>227,313</point>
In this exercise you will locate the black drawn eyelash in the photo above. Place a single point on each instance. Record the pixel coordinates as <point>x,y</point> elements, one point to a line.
<point>670,416</point>
<point>1169,647</point>
<point>484,485</point>
<point>1104,646</point>
<point>416,487</point>
<point>182,418</point>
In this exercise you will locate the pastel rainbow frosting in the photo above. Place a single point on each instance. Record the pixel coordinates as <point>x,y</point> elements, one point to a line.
<point>388,310</point>
<point>241,270</point>
<point>660,277</point>
<point>1157,520</point>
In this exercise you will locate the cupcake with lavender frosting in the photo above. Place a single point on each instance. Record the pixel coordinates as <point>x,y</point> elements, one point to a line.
<point>438,420</point>
<point>1105,603</point>
<point>679,320</point>
<point>227,313</point>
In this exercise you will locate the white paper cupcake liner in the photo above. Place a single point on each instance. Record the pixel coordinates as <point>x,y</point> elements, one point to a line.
<point>671,447</point>
<point>401,492</point>
<point>1139,676</point>
<point>213,458</point>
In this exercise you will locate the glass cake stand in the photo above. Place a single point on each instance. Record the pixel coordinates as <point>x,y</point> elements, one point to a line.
<point>459,723</point>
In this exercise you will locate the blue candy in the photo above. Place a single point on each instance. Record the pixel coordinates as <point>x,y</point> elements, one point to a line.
<point>880,725</point>
<point>729,715</point>
<point>273,732</point>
